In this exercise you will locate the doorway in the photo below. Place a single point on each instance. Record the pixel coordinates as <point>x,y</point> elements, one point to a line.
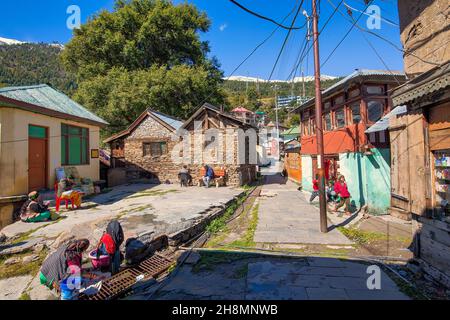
<point>37,157</point>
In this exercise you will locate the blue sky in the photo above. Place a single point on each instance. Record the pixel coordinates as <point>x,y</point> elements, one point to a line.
<point>234,33</point>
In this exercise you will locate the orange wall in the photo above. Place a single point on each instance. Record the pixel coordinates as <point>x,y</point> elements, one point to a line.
<point>347,139</point>
<point>293,165</point>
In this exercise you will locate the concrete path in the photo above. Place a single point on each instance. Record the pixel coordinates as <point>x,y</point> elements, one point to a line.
<point>285,216</point>
<point>274,278</point>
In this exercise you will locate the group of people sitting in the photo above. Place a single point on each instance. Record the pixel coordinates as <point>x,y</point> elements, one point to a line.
<point>67,260</point>
<point>186,179</point>
<point>337,193</point>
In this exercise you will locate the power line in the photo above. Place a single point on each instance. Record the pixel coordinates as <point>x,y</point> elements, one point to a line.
<point>264,17</point>
<point>310,47</point>
<point>285,40</point>
<point>345,36</point>
<point>388,21</point>
<point>260,44</point>
<point>406,52</point>
<point>371,46</point>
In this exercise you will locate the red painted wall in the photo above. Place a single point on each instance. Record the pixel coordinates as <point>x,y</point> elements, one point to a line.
<point>347,139</point>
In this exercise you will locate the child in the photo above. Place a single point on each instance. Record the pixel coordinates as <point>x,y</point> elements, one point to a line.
<point>315,192</point>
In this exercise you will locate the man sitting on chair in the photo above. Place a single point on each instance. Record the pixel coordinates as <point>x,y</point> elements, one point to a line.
<point>209,175</point>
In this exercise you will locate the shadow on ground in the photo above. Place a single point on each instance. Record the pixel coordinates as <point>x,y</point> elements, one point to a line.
<point>248,276</point>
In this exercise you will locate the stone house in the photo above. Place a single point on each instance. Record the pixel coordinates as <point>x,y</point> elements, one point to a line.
<point>155,146</point>
<point>143,150</point>
<point>225,141</point>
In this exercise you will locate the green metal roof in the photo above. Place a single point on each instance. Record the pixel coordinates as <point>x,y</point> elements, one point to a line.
<point>291,131</point>
<point>54,101</point>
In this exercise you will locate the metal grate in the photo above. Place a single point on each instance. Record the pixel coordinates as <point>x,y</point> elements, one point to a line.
<point>122,282</point>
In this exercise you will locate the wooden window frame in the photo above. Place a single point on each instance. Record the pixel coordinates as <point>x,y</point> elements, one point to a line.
<point>150,152</point>
<point>342,108</point>
<point>65,137</point>
<point>383,112</point>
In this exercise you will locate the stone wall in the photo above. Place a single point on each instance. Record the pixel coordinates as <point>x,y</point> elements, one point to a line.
<point>424,27</point>
<point>164,169</point>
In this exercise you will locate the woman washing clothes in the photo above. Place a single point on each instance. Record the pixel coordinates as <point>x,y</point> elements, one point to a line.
<point>34,209</point>
<point>62,263</point>
<point>109,244</point>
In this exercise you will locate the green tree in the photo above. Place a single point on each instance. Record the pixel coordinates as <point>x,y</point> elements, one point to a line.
<point>146,53</point>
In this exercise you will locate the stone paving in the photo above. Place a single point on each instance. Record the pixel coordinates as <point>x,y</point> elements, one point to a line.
<point>141,208</point>
<point>272,278</point>
<point>285,216</point>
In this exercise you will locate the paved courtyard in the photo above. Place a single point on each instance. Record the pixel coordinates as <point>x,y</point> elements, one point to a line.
<point>273,278</point>
<point>285,216</point>
<point>141,208</point>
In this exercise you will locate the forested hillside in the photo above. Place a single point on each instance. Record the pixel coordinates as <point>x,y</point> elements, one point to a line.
<point>30,64</point>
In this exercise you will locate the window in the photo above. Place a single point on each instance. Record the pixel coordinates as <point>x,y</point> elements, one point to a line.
<point>305,126</point>
<point>74,145</point>
<point>375,110</point>
<point>339,116</point>
<point>327,122</point>
<point>339,100</point>
<point>154,149</point>
<point>353,93</point>
<point>313,126</point>
<point>356,112</point>
<point>327,105</point>
<point>374,90</point>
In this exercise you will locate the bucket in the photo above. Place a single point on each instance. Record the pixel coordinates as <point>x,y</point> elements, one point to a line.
<point>102,261</point>
<point>69,287</point>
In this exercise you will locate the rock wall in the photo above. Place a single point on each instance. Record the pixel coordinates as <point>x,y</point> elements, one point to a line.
<point>165,168</point>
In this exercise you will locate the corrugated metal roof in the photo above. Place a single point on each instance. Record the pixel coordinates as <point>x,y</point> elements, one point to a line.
<point>383,123</point>
<point>46,97</point>
<point>356,74</point>
<point>174,123</point>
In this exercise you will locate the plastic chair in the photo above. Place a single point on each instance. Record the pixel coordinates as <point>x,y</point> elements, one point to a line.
<point>59,199</point>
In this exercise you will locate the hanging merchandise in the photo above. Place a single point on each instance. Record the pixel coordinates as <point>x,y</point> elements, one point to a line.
<point>442,184</point>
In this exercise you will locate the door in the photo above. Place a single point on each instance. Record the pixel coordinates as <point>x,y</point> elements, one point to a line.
<point>37,157</point>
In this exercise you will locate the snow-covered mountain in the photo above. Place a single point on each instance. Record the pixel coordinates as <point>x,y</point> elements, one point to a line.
<point>9,41</point>
<point>6,41</point>
<point>296,79</point>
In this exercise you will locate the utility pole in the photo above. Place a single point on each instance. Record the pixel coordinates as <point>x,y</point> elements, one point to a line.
<point>319,132</point>
<point>276,120</point>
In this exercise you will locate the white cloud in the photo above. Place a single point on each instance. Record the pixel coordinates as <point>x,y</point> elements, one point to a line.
<point>223,27</point>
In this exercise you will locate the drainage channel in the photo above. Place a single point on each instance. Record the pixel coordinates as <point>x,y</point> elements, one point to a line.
<point>122,282</point>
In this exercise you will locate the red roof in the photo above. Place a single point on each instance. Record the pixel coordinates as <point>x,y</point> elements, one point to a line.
<point>241,109</point>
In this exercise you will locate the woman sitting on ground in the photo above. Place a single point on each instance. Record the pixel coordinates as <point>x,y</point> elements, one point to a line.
<point>110,244</point>
<point>63,262</point>
<point>34,209</point>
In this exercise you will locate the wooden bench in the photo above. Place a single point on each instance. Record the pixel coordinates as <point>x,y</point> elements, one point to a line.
<point>220,176</point>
